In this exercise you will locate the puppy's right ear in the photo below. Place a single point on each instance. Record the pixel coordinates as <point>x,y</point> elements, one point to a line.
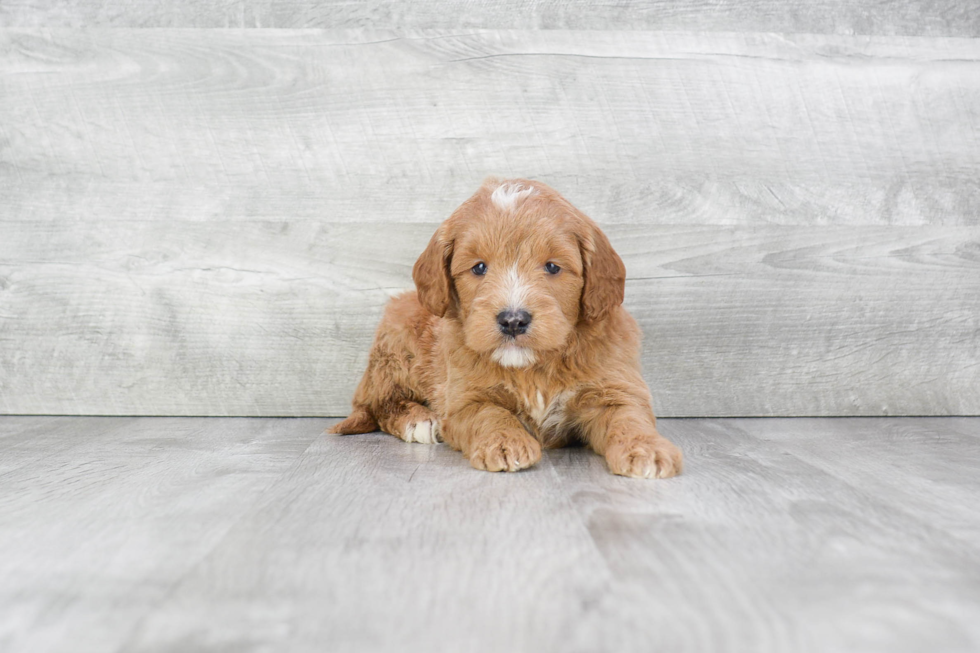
<point>431,274</point>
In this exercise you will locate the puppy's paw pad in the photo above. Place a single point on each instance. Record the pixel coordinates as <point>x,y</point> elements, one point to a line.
<point>505,452</point>
<point>424,432</point>
<point>659,459</point>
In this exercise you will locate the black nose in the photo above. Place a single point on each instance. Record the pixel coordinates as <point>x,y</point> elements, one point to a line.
<point>513,323</point>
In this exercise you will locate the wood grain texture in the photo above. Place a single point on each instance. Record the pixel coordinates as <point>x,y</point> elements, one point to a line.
<point>923,478</point>
<point>173,535</point>
<point>378,126</point>
<point>759,549</point>
<point>100,517</point>
<point>259,318</point>
<point>209,221</point>
<point>910,17</point>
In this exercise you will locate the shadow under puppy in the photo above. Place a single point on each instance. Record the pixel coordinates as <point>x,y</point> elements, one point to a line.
<point>515,340</point>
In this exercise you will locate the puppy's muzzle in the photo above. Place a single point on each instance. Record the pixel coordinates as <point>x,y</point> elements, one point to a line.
<point>513,323</point>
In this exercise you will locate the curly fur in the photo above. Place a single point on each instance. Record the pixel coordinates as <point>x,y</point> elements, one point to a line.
<point>441,367</point>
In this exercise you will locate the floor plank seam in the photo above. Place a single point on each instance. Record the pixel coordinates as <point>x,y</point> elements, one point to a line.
<point>966,549</point>
<point>263,498</point>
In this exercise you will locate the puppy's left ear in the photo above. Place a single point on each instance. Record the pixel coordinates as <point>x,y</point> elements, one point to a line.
<point>605,276</point>
<point>433,282</point>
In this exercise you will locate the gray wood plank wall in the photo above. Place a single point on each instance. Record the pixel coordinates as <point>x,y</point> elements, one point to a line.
<point>209,221</point>
<point>906,17</point>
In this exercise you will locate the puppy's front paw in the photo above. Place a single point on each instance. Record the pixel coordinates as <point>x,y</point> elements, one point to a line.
<point>504,451</point>
<point>653,457</point>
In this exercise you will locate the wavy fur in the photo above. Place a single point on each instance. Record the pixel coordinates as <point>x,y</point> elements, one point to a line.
<point>441,365</point>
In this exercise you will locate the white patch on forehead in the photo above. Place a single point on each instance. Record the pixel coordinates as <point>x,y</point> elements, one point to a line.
<point>513,356</point>
<point>508,196</point>
<point>517,290</point>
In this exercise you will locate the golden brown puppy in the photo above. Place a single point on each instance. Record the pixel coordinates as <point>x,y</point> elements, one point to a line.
<point>515,339</point>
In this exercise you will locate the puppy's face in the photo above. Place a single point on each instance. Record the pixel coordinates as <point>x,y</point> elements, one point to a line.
<point>518,280</point>
<point>519,268</point>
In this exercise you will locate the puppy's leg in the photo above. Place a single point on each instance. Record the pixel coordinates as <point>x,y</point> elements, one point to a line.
<point>491,437</point>
<point>359,421</point>
<point>408,420</point>
<point>389,396</point>
<point>382,401</point>
<point>626,434</point>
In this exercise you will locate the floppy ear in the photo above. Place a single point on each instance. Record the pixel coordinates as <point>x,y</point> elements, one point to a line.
<point>431,275</point>
<point>605,276</point>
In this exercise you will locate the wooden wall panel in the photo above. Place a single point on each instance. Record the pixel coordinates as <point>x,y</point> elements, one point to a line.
<point>361,126</point>
<point>275,318</point>
<point>882,17</point>
<point>209,221</point>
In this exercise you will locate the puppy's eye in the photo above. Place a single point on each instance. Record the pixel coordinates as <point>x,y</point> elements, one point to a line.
<point>479,269</point>
<point>551,268</point>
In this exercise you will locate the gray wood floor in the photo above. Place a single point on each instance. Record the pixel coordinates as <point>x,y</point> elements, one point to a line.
<point>193,534</point>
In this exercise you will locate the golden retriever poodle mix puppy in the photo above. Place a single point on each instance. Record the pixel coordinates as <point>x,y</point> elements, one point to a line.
<point>515,339</point>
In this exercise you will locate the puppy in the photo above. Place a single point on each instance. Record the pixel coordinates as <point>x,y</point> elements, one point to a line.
<point>514,340</point>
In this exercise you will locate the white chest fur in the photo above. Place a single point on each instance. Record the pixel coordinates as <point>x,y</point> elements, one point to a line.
<point>548,414</point>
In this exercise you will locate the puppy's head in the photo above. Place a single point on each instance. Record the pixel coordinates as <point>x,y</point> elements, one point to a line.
<point>520,268</point>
